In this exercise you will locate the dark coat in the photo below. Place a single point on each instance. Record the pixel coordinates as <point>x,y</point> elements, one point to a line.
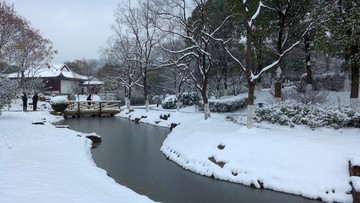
<point>35,98</point>
<point>24,99</point>
<point>89,99</point>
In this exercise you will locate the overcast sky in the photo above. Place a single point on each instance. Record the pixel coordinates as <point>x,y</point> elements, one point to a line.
<point>77,28</point>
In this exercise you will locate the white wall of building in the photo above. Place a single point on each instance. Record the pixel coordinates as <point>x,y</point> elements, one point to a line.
<point>68,86</point>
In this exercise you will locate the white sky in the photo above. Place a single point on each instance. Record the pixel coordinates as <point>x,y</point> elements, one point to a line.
<point>77,28</point>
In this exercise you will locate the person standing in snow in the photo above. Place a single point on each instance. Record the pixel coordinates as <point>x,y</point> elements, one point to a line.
<point>89,99</point>
<point>35,101</point>
<point>24,99</point>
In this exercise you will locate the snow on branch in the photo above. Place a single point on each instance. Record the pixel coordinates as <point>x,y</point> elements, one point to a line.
<point>235,59</point>
<point>227,50</point>
<point>222,24</point>
<point>256,14</point>
<point>254,77</point>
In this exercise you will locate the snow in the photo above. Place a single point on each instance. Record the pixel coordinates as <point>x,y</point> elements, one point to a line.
<point>41,163</point>
<point>59,100</point>
<point>52,71</point>
<point>93,82</point>
<point>300,161</point>
<point>256,14</point>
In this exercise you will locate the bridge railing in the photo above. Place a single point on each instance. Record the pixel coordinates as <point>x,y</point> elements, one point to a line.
<point>93,107</point>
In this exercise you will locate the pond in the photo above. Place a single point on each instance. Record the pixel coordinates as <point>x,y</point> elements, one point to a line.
<point>130,153</point>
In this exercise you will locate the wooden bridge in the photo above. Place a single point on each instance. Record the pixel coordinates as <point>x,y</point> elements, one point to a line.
<point>92,108</point>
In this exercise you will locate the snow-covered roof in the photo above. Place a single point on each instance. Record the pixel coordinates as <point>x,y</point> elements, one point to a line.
<point>93,82</point>
<point>50,72</point>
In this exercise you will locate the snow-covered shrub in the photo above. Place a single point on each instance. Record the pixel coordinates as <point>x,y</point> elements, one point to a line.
<point>8,91</point>
<point>59,103</point>
<point>169,102</point>
<point>189,98</point>
<point>291,114</point>
<point>300,94</point>
<point>228,104</point>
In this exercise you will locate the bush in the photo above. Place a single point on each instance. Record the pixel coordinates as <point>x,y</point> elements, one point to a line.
<point>227,105</point>
<point>291,114</point>
<point>59,103</point>
<point>169,102</point>
<point>189,98</point>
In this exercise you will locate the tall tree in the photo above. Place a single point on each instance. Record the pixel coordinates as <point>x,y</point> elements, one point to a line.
<point>198,33</point>
<point>32,52</point>
<point>122,59</point>
<point>340,37</point>
<point>348,28</point>
<point>217,11</point>
<point>11,25</point>
<point>174,69</point>
<point>141,24</point>
<point>288,16</point>
<point>250,12</point>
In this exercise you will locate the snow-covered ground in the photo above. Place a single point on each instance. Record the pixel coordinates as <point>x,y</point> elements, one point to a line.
<point>41,163</point>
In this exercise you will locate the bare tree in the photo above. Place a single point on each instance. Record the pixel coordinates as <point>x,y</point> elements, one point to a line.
<point>176,72</point>
<point>10,30</point>
<point>120,58</point>
<point>31,53</point>
<point>198,37</point>
<point>141,25</point>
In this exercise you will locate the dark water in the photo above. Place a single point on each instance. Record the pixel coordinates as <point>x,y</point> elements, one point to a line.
<point>130,153</point>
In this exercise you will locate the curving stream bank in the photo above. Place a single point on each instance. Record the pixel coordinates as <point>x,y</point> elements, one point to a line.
<point>130,153</point>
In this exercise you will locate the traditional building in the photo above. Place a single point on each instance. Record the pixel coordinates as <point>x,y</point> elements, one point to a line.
<point>58,79</point>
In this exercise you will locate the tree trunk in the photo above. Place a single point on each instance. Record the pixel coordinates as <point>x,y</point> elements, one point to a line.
<point>224,73</point>
<point>309,79</point>
<point>278,84</point>
<point>205,98</point>
<point>206,104</point>
<point>147,107</point>
<point>354,92</point>
<point>128,99</point>
<point>250,106</point>
<point>127,102</point>
<point>207,110</point>
<point>250,82</point>
<point>22,80</point>
<point>354,66</point>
